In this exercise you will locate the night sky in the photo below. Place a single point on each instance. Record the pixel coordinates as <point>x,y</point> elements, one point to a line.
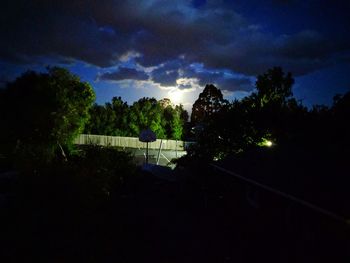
<point>161,48</point>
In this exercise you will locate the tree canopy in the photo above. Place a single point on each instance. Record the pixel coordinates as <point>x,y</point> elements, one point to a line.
<point>119,119</point>
<point>146,113</point>
<point>44,111</point>
<point>264,115</point>
<point>274,86</point>
<point>109,119</point>
<point>209,102</point>
<point>271,114</point>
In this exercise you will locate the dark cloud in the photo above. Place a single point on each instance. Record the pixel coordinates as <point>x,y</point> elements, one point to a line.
<point>124,73</point>
<point>221,79</point>
<point>301,53</point>
<point>167,73</point>
<point>284,2</point>
<point>233,84</point>
<point>100,32</point>
<point>309,45</point>
<point>165,78</point>
<point>43,28</point>
<point>184,86</point>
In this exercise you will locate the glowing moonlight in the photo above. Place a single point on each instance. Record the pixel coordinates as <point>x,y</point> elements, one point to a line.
<point>176,96</point>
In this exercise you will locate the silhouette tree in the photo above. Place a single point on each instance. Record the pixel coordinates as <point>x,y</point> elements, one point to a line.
<point>183,113</point>
<point>339,123</point>
<point>269,114</point>
<point>209,102</point>
<point>274,86</point>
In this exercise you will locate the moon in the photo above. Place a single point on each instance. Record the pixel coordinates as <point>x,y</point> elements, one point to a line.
<point>176,96</point>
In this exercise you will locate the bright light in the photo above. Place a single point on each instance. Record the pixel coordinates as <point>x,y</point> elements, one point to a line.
<point>268,143</point>
<point>265,143</point>
<point>176,96</point>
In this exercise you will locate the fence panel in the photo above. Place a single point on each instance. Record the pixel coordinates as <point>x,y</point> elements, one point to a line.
<point>129,142</point>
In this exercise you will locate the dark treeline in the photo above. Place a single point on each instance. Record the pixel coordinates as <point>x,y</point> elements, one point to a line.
<point>53,194</point>
<point>271,113</point>
<point>271,137</point>
<point>119,119</point>
<point>64,203</point>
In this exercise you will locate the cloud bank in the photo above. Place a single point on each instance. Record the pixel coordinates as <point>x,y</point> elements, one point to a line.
<point>162,39</point>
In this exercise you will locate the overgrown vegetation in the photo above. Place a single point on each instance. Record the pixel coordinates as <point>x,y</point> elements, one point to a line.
<point>42,113</point>
<point>92,204</point>
<point>272,138</point>
<point>119,119</point>
<point>271,113</point>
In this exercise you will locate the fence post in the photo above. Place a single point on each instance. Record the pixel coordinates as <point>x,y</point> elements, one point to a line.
<point>176,149</point>
<point>160,148</point>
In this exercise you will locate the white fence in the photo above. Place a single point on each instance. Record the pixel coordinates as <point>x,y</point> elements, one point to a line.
<point>129,142</point>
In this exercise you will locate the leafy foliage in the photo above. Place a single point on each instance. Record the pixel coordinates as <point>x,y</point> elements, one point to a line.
<point>209,102</point>
<point>43,112</point>
<point>274,86</point>
<point>105,168</point>
<point>119,119</point>
<point>146,113</point>
<point>273,114</point>
<point>269,114</point>
<point>110,119</point>
<point>173,123</point>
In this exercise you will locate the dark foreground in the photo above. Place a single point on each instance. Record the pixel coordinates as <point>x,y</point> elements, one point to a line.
<point>154,220</point>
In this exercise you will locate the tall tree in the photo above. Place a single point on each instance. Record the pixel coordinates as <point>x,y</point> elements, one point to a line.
<point>172,123</point>
<point>146,113</point>
<point>209,102</point>
<point>274,86</point>
<point>118,119</point>
<point>109,119</point>
<point>183,113</point>
<point>270,114</point>
<point>121,111</point>
<point>43,112</point>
